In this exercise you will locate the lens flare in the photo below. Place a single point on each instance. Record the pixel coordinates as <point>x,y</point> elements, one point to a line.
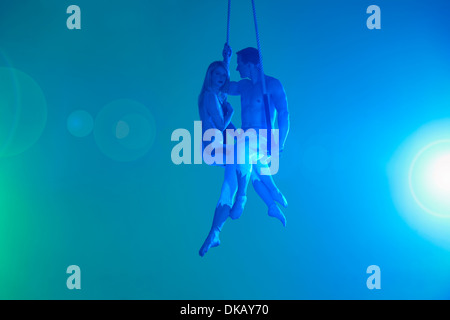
<point>419,178</point>
<point>440,174</point>
<point>429,178</point>
<point>23,112</point>
<point>80,123</point>
<point>125,130</point>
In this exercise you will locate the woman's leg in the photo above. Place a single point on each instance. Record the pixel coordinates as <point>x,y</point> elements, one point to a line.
<point>243,173</point>
<point>229,186</point>
<point>223,208</point>
<point>242,156</point>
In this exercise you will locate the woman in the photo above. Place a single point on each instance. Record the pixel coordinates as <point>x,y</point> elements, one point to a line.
<point>216,113</point>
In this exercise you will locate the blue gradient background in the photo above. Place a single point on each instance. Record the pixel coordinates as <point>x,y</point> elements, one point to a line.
<point>134,228</point>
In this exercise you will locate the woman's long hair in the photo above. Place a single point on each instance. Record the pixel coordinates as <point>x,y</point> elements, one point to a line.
<point>208,81</point>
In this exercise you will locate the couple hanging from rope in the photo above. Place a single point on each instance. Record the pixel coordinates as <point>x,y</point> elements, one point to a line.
<point>259,101</point>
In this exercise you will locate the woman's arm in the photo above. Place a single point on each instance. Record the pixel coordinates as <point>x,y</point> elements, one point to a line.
<point>214,109</point>
<point>228,115</point>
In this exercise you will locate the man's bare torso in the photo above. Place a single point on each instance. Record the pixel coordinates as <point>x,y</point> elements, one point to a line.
<point>253,112</point>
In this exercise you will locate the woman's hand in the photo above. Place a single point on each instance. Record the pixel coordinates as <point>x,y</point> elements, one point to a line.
<point>228,108</point>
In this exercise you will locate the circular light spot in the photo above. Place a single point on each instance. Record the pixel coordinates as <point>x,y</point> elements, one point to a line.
<point>124,130</point>
<point>23,112</point>
<point>80,123</point>
<point>429,178</point>
<point>136,133</point>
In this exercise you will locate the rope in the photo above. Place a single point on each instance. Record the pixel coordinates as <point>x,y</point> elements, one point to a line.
<point>263,82</point>
<point>258,42</point>
<point>228,22</point>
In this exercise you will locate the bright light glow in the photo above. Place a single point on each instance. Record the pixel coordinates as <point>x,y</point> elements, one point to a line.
<point>440,174</point>
<point>419,178</point>
<point>429,178</point>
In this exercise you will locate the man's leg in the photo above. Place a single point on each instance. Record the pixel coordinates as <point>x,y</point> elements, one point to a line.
<point>265,194</point>
<point>269,183</point>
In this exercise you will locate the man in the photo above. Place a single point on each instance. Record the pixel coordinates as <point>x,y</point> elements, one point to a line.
<point>253,116</point>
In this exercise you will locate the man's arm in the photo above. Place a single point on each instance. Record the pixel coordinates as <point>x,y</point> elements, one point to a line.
<point>226,54</point>
<point>233,86</point>
<point>281,105</point>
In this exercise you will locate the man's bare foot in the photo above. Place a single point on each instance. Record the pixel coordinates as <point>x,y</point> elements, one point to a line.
<point>280,198</point>
<point>275,212</point>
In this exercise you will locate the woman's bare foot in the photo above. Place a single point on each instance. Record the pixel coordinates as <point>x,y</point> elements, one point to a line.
<point>212,240</point>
